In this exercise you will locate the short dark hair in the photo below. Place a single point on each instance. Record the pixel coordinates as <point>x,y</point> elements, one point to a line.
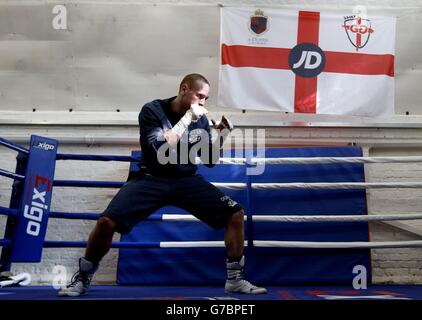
<point>192,79</point>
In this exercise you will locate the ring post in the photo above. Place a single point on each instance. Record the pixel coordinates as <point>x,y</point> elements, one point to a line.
<point>17,191</point>
<point>35,201</point>
<point>249,205</point>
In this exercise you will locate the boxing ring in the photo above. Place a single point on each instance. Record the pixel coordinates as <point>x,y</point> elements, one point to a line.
<point>29,211</point>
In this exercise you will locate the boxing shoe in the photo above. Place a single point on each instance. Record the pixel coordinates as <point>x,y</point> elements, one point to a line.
<point>81,280</point>
<point>236,282</point>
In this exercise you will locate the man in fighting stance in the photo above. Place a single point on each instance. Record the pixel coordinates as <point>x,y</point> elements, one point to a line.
<point>165,125</point>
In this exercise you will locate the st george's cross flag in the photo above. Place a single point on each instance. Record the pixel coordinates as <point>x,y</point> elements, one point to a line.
<point>307,62</point>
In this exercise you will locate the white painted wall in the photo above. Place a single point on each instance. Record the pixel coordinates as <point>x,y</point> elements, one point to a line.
<point>116,55</point>
<point>121,54</point>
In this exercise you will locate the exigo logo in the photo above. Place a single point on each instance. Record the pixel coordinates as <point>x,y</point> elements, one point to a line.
<point>43,145</point>
<point>34,212</point>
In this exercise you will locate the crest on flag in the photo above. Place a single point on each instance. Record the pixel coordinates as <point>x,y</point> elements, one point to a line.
<point>358,31</point>
<point>258,23</point>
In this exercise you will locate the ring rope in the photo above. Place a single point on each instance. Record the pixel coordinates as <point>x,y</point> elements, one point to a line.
<point>88,184</point>
<point>256,218</point>
<point>119,184</point>
<point>226,160</point>
<point>338,245</point>
<point>253,161</point>
<point>8,212</point>
<point>256,243</point>
<point>336,185</point>
<point>236,186</point>
<point>319,185</point>
<point>5,242</point>
<point>314,160</point>
<point>122,244</point>
<point>336,218</point>
<point>307,218</point>
<point>318,160</point>
<point>232,185</point>
<point>11,175</point>
<point>94,157</point>
<point>95,216</point>
<point>293,160</point>
<point>74,215</point>
<point>14,146</point>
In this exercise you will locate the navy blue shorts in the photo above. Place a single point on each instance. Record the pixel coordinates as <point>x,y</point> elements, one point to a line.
<point>144,194</point>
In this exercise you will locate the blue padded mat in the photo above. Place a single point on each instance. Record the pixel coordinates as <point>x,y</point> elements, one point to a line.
<point>269,266</point>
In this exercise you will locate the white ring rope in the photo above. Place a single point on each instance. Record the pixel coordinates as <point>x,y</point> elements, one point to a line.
<point>315,160</point>
<point>233,185</point>
<point>336,218</point>
<point>302,244</point>
<point>336,160</point>
<point>338,245</point>
<point>298,244</point>
<point>337,185</point>
<point>305,218</point>
<point>320,218</point>
<point>232,160</point>
<point>193,244</point>
<point>319,185</point>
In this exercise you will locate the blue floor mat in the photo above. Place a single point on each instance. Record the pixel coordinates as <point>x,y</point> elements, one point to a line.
<point>115,292</point>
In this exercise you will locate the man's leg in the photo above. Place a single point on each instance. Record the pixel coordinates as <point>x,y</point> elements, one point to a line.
<point>210,205</point>
<point>99,243</point>
<point>234,236</point>
<point>234,240</point>
<point>137,199</point>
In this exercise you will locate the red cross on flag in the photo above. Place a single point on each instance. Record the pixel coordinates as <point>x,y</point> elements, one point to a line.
<point>307,62</point>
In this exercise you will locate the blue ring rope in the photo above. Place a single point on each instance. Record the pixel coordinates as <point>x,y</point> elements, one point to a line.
<point>5,242</point>
<point>75,215</point>
<point>8,212</point>
<point>92,215</point>
<point>83,244</point>
<point>88,184</point>
<point>14,146</point>
<point>94,157</point>
<point>11,175</point>
<point>76,183</point>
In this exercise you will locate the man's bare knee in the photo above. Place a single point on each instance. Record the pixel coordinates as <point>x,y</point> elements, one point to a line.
<point>106,224</point>
<point>237,219</point>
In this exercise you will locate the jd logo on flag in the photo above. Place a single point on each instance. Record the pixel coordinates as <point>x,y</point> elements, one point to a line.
<point>305,63</point>
<point>307,60</point>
